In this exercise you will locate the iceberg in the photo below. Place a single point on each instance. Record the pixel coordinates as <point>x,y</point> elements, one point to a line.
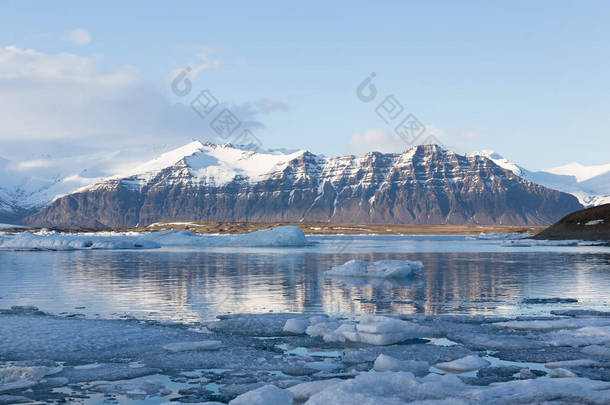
<point>381,269</point>
<point>52,240</point>
<point>283,236</point>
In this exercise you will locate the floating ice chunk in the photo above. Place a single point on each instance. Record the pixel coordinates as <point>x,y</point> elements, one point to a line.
<point>465,364</point>
<point>388,363</point>
<point>338,335</point>
<point>597,350</point>
<point>137,388</point>
<point>322,328</point>
<point>323,365</point>
<point>303,391</point>
<point>579,312</point>
<point>561,373</point>
<point>381,331</point>
<point>282,236</point>
<point>547,325</point>
<point>572,363</point>
<point>265,395</point>
<point>296,325</point>
<point>589,335</point>
<point>50,240</point>
<point>381,269</point>
<point>15,377</point>
<point>55,381</point>
<point>253,325</point>
<point>390,388</point>
<point>193,346</point>
<point>541,390</point>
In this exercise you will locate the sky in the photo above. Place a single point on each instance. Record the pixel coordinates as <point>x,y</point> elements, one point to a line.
<point>530,80</point>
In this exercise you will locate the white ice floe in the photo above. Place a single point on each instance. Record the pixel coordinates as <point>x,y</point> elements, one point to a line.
<point>15,377</point>
<point>382,269</point>
<point>193,346</point>
<point>561,373</point>
<point>381,331</point>
<point>50,240</point>
<point>572,363</point>
<point>388,363</point>
<point>398,388</point>
<point>373,330</point>
<point>465,364</point>
<point>296,325</point>
<point>588,335</point>
<point>598,351</point>
<point>265,395</point>
<point>554,324</point>
<point>283,236</point>
<point>303,391</point>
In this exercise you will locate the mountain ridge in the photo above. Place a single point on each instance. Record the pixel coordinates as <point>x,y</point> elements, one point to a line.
<point>425,184</point>
<point>590,184</point>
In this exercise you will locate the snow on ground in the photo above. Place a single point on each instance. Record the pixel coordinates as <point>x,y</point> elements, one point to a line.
<point>290,359</point>
<point>282,236</point>
<point>379,269</point>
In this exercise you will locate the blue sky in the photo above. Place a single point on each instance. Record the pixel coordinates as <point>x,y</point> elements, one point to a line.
<point>530,80</point>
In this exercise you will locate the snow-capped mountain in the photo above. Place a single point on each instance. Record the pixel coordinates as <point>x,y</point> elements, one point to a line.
<point>425,184</point>
<point>28,185</point>
<point>590,184</point>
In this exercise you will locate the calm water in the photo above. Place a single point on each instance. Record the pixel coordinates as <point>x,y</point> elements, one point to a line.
<point>459,276</point>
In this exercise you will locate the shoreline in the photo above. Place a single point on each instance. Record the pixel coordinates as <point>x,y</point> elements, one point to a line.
<point>308,228</point>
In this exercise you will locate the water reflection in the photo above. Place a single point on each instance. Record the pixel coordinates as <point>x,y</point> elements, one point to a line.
<point>195,285</point>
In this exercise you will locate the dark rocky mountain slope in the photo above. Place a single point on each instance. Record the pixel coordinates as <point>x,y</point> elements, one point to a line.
<point>424,185</point>
<point>590,224</point>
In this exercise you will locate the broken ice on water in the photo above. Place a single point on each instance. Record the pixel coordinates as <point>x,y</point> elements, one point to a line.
<point>253,359</point>
<point>557,353</point>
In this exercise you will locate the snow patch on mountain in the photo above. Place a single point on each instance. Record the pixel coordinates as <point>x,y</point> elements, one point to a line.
<point>590,184</point>
<point>581,172</point>
<point>500,161</point>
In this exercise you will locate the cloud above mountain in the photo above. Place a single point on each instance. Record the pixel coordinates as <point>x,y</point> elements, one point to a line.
<point>73,100</point>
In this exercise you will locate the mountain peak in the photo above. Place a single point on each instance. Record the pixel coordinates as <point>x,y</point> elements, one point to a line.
<point>500,161</point>
<point>579,171</point>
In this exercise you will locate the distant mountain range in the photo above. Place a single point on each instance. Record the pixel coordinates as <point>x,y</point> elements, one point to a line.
<point>590,184</point>
<point>425,185</point>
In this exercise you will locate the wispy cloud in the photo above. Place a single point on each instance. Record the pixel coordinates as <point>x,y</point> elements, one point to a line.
<point>376,140</point>
<point>79,36</point>
<point>69,99</point>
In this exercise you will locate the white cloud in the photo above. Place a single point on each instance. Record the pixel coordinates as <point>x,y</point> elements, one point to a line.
<point>79,36</point>
<point>376,140</point>
<point>68,99</point>
<point>381,140</point>
<point>204,59</point>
